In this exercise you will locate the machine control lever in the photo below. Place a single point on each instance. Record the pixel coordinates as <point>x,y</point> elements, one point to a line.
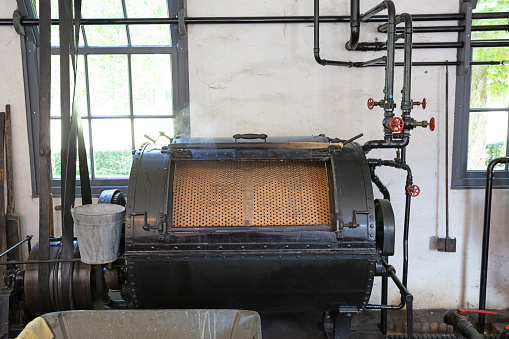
<point>465,312</point>
<point>372,103</point>
<point>422,103</point>
<point>425,124</point>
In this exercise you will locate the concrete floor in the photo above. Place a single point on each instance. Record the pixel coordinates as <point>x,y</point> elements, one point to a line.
<point>365,325</point>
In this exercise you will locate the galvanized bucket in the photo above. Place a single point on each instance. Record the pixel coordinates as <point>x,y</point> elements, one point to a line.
<point>98,229</point>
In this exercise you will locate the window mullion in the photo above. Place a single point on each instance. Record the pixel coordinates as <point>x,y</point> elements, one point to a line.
<point>124,9</point>
<point>131,101</point>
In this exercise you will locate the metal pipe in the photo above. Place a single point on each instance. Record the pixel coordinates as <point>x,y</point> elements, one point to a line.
<point>375,10</point>
<point>355,25</point>
<point>452,29</point>
<point>380,46</point>
<point>381,187</point>
<point>49,261</point>
<point>409,180</point>
<point>376,61</point>
<point>384,300</point>
<point>257,19</point>
<point>386,143</point>
<point>406,227</point>
<point>406,101</point>
<point>486,239</point>
<point>446,150</point>
<point>316,49</point>
<point>28,238</point>
<point>391,272</point>
<point>389,65</point>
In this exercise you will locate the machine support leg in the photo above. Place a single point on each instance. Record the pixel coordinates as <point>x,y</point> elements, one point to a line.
<point>409,315</point>
<point>342,324</point>
<point>5,295</point>
<point>383,311</point>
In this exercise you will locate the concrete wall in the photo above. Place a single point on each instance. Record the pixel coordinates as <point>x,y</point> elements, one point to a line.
<point>263,79</point>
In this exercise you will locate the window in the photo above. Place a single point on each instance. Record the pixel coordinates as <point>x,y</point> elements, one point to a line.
<point>481,122</point>
<point>132,86</point>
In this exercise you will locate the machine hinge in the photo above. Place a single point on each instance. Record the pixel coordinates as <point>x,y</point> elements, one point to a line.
<point>337,219</point>
<point>360,218</point>
<point>178,153</point>
<point>141,217</point>
<point>320,153</point>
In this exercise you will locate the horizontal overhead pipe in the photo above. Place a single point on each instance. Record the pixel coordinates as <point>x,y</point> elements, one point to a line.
<point>257,19</point>
<point>380,46</point>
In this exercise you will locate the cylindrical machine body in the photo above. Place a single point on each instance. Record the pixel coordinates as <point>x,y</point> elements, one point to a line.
<point>276,225</point>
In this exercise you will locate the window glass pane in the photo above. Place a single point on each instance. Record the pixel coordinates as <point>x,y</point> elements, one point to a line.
<point>478,35</point>
<point>158,130</point>
<point>102,9</point>
<point>152,85</point>
<point>490,86</point>
<point>81,92</point>
<point>112,147</point>
<point>484,6</point>
<point>109,35</point>
<point>56,149</point>
<point>147,8</point>
<point>150,35</point>
<point>55,37</point>
<point>487,138</point>
<point>109,88</point>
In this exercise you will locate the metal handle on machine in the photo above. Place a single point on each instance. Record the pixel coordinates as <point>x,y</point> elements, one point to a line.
<point>250,136</point>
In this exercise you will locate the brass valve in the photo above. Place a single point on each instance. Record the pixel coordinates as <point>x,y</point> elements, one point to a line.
<point>372,103</point>
<point>425,124</point>
<point>422,103</point>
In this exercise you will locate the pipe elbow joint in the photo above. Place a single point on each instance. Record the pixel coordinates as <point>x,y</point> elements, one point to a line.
<point>354,36</point>
<point>317,57</point>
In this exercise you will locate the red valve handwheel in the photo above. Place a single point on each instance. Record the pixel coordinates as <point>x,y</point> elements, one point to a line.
<point>475,311</point>
<point>396,124</point>
<point>432,124</point>
<point>424,103</point>
<point>413,190</point>
<point>371,103</point>
<point>506,327</point>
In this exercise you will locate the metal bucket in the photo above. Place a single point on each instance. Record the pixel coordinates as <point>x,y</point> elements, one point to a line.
<point>98,229</point>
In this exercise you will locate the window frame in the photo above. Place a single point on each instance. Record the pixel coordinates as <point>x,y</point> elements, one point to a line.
<point>180,87</point>
<point>461,178</point>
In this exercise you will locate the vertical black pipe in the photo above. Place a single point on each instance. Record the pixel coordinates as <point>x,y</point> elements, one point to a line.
<point>405,238</point>
<point>391,47</point>
<point>385,292</point>
<point>486,239</point>
<point>406,104</point>
<point>355,25</point>
<point>316,49</point>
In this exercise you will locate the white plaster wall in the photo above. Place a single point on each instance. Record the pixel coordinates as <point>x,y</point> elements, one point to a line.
<point>12,92</point>
<point>263,79</point>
